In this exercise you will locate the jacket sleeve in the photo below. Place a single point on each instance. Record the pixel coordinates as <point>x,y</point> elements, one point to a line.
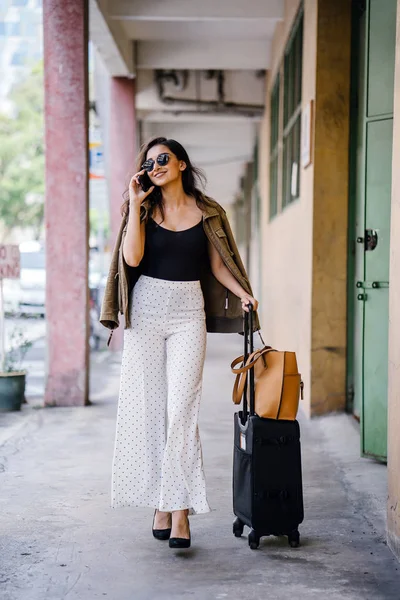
<point>233,246</point>
<point>110,305</point>
<point>239,262</point>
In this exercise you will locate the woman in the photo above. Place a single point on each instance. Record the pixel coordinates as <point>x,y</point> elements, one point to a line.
<point>173,240</point>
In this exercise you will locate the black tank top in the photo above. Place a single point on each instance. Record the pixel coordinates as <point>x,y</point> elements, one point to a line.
<point>174,255</point>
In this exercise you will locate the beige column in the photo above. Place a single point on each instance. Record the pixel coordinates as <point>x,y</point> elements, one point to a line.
<point>330,207</point>
<point>393,517</point>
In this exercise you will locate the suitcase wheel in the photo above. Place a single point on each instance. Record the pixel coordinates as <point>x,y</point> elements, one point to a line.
<point>238,527</point>
<point>254,540</point>
<point>294,538</point>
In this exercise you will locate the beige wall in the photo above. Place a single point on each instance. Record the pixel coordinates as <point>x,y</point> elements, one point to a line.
<point>393,518</point>
<point>287,239</point>
<point>304,265</point>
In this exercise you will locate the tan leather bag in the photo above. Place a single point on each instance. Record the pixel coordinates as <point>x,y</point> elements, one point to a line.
<point>278,384</point>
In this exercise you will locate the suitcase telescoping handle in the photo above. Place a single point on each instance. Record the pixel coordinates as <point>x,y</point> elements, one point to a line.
<point>248,349</point>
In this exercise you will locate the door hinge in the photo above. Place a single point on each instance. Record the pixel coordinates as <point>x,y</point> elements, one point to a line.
<point>379,284</point>
<point>374,285</point>
<point>350,394</point>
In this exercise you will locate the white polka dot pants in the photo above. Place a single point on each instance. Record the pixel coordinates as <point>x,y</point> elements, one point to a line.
<point>158,457</point>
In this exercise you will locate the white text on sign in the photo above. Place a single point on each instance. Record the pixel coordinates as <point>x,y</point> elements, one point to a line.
<point>9,261</point>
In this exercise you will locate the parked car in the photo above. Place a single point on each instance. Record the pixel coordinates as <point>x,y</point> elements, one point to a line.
<point>26,295</point>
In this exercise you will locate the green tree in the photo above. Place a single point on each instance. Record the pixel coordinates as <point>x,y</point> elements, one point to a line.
<point>99,222</point>
<point>22,155</point>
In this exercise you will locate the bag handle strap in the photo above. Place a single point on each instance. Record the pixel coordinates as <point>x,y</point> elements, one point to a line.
<point>240,359</point>
<point>251,360</point>
<point>241,376</point>
<point>238,388</point>
<point>240,383</point>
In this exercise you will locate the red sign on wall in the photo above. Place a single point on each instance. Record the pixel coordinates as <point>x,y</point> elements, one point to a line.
<point>9,262</point>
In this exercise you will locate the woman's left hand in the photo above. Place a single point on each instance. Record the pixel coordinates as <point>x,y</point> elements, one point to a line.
<point>247,299</point>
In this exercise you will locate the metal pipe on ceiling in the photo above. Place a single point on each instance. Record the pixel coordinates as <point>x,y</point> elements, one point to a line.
<point>218,106</point>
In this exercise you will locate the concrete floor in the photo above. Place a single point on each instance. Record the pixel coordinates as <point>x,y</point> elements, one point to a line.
<point>60,538</point>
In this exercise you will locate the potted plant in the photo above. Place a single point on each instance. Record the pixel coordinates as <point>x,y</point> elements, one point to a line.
<point>12,376</point>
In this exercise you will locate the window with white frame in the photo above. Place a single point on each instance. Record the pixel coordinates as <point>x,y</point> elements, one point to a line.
<point>285,114</point>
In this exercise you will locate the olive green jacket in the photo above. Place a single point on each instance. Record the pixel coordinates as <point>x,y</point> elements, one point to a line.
<point>223,309</point>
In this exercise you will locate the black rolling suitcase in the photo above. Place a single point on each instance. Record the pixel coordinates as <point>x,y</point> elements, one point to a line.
<point>267,482</point>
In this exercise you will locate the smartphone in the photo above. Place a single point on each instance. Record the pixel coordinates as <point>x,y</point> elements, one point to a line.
<point>145,182</point>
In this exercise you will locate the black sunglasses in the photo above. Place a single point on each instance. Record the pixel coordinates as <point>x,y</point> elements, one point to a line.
<point>162,160</point>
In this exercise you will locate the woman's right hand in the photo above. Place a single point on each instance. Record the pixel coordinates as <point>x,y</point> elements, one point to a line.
<point>136,194</point>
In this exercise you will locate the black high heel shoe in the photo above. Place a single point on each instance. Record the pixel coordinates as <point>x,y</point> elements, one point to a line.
<point>161,534</point>
<point>176,542</point>
<point>179,542</point>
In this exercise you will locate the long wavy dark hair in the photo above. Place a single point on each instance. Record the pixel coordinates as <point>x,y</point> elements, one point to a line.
<point>193,179</point>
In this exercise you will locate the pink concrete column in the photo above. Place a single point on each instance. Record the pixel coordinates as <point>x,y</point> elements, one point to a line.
<point>123,150</point>
<point>66,209</point>
<point>123,147</point>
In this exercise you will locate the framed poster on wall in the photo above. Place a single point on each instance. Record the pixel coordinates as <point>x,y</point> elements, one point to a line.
<point>306,134</point>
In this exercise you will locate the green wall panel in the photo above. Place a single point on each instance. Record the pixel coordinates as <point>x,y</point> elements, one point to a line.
<point>376,307</point>
<point>381,56</point>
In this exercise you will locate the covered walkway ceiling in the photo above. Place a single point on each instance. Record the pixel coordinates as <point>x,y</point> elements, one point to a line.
<point>200,70</point>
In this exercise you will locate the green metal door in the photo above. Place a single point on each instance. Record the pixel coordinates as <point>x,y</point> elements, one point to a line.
<point>370,274</point>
